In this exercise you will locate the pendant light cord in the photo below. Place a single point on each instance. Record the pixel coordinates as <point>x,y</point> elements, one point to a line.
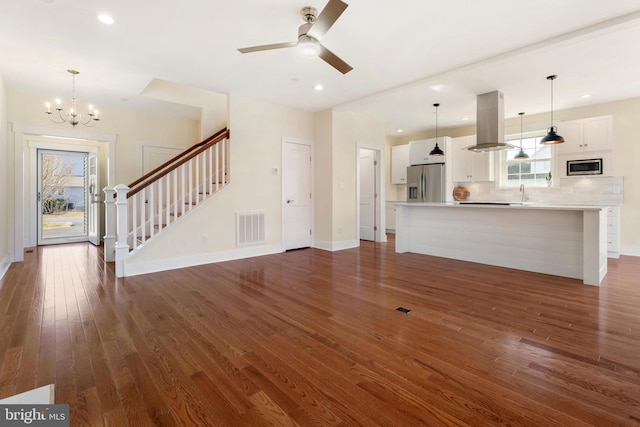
<point>436,105</point>
<point>552,101</point>
<point>521,114</point>
<point>552,78</point>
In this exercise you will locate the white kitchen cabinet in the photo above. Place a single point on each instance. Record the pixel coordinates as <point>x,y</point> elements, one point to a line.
<point>390,216</point>
<point>399,163</point>
<point>613,232</point>
<point>586,135</point>
<point>468,165</point>
<point>419,150</point>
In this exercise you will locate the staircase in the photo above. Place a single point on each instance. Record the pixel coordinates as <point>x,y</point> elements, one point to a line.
<point>139,212</point>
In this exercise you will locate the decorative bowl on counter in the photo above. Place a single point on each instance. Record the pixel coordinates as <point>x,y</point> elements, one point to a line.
<point>460,193</point>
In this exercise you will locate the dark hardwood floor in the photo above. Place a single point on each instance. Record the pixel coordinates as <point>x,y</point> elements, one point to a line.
<point>311,337</point>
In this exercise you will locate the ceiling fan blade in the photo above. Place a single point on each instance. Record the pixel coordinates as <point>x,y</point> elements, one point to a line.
<point>331,59</point>
<point>267,47</point>
<point>327,18</point>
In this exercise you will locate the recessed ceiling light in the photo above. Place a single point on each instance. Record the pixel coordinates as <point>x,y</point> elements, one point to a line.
<point>586,95</point>
<point>105,19</point>
<point>465,119</point>
<point>318,87</point>
<point>400,130</point>
<point>437,87</point>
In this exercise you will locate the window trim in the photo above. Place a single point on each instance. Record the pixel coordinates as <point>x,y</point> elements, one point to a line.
<point>515,140</point>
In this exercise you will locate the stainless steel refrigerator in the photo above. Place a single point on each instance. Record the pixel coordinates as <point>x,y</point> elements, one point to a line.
<point>426,183</point>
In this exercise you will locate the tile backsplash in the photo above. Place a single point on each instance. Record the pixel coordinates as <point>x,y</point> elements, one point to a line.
<point>590,191</point>
<point>399,195</point>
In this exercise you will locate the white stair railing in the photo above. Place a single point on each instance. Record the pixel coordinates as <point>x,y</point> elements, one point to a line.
<point>109,226</point>
<point>144,211</point>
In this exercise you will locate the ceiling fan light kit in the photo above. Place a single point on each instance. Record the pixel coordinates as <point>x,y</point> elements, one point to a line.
<point>309,46</point>
<point>311,32</point>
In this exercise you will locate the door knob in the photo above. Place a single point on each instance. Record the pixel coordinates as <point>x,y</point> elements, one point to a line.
<point>289,200</point>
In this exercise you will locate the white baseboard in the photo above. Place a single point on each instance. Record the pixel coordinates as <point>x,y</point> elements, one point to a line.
<point>134,269</point>
<point>4,266</point>
<point>630,250</point>
<point>336,246</point>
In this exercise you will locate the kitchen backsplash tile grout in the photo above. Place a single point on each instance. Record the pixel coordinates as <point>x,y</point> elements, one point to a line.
<point>599,191</point>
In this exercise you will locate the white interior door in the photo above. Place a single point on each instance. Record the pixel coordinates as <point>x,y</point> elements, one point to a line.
<point>296,195</point>
<point>153,156</point>
<point>93,199</point>
<point>367,194</point>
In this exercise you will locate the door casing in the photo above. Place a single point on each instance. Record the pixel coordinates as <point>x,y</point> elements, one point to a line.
<point>381,236</point>
<point>34,145</point>
<point>368,194</point>
<point>21,137</point>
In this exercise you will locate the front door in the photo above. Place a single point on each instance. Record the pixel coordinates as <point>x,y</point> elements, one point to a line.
<point>61,207</point>
<point>296,195</point>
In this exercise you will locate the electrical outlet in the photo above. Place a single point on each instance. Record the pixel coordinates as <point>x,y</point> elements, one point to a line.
<point>203,239</point>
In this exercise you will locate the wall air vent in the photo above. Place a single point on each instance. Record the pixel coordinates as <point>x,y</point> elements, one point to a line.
<point>249,228</point>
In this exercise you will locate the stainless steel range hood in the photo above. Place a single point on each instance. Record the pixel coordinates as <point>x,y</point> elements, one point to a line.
<point>490,123</point>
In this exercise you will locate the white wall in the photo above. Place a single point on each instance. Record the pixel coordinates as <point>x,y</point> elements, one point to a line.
<point>133,129</point>
<point>257,129</point>
<point>350,130</point>
<point>5,255</point>
<point>323,179</point>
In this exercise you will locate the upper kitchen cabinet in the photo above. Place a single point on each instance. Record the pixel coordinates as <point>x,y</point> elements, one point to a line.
<point>399,163</point>
<point>468,165</point>
<point>419,150</point>
<point>586,135</point>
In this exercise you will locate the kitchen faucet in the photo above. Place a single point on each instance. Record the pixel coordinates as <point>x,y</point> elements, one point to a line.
<point>522,191</point>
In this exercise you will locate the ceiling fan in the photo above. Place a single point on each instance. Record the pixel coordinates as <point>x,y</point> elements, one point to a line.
<point>310,33</point>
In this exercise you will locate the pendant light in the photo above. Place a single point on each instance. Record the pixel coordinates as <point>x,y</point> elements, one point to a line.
<point>552,137</point>
<point>436,150</point>
<point>521,154</point>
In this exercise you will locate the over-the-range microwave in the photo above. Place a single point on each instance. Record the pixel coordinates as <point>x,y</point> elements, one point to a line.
<point>584,167</point>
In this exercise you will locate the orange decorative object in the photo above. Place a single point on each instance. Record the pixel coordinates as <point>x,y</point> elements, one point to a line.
<point>461,193</point>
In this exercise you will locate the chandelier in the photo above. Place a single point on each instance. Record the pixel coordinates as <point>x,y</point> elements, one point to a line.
<point>72,116</point>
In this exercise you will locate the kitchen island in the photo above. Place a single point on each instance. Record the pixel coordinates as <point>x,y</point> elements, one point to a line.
<point>563,240</point>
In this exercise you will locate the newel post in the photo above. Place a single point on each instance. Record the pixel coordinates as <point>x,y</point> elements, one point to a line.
<point>109,224</point>
<point>122,224</point>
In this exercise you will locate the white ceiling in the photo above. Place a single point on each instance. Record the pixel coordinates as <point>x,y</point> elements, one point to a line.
<point>400,52</point>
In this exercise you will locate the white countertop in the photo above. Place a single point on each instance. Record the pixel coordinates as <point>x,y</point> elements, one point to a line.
<point>512,205</point>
